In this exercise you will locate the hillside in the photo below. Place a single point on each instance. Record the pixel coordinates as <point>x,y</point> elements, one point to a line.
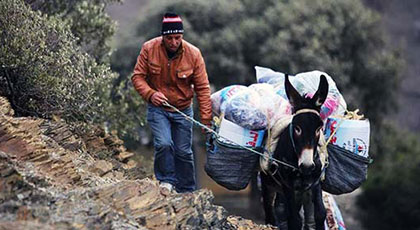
<point>53,178</point>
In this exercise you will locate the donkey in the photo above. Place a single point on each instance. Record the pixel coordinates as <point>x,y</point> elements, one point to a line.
<point>287,190</point>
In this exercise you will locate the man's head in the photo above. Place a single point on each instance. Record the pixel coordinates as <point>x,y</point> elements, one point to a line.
<point>172,31</point>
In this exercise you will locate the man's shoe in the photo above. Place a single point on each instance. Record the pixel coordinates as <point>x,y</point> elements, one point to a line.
<point>165,188</point>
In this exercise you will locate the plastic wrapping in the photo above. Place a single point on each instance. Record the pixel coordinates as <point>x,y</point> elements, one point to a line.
<point>244,109</point>
<point>329,107</point>
<point>306,83</point>
<point>232,133</point>
<point>259,106</point>
<point>334,218</point>
<point>219,98</point>
<point>273,105</point>
<point>266,75</point>
<point>352,135</point>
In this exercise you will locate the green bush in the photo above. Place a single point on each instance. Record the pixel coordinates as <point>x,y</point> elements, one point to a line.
<point>88,21</point>
<point>390,199</point>
<point>43,70</point>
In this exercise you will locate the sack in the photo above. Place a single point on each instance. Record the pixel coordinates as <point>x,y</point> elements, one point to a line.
<point>306,83</point>
<point>230,166</point>
<point>234,134</point>
<point>219,98</point>
<point>345,172</point>
<point>352,135</point>
<point>244,109</point>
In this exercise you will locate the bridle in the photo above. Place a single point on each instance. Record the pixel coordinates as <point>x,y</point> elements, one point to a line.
<point>276,170</point>
<point>291,123</point>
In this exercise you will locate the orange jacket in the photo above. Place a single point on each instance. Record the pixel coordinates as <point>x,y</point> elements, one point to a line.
<point>176,78</point>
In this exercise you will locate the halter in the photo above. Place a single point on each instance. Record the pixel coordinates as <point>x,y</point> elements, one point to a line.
<point>272,174</point>
<point>291,123</point>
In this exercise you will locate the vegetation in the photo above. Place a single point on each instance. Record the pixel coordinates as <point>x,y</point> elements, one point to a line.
<point>390,199</point>
<point>43,70</point>
<point>87,20</point>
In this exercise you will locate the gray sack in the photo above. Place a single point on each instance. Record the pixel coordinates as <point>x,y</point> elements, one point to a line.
<point>346,171</point>
<point>228,165</point>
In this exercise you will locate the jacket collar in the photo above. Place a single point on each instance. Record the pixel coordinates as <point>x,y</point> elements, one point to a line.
<point>180,50</point>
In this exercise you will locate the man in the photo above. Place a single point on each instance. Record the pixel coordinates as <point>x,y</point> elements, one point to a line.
<point>169,69</point>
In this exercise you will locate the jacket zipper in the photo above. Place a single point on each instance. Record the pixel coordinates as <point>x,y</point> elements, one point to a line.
<point>169,73</point>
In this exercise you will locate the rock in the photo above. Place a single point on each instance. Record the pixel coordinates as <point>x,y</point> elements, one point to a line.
<point>123,156</point>
<point>5,107</point>
<point>52,178</point>
<point>102,167</point>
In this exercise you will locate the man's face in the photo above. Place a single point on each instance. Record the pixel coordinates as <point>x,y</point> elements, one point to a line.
<point>172,41</point>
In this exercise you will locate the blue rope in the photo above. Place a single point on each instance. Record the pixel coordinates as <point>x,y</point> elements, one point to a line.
<point>165,103</point>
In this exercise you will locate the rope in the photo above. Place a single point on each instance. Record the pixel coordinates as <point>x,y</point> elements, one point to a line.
<point>165,103</point>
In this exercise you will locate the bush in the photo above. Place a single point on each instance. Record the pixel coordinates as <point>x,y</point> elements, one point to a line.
<point>390,199</point>
<point>88,22</point>
<point>43,70</point>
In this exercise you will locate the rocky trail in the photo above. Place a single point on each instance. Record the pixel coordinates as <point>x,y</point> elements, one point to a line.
<point>52,177</point>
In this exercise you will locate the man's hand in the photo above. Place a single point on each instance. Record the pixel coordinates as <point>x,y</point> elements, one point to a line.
<point>158,98</point>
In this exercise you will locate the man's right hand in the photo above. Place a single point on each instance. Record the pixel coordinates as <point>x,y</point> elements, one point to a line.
<point>158,98</point>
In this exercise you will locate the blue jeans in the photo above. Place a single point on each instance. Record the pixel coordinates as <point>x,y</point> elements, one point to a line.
<point>172,137</point>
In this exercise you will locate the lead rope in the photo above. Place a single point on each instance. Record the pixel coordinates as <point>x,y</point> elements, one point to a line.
<point>165,103</point>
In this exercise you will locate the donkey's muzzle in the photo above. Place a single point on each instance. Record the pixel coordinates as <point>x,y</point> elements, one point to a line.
<point>307,169</point>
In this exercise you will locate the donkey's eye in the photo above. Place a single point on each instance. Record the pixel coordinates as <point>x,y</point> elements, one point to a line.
<point>298,130</point>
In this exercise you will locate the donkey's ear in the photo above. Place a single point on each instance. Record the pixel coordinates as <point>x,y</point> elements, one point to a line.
<point>321,94</point>
<point>293,95</point>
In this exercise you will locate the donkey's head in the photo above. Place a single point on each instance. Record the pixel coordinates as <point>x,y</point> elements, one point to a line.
<point>306,125</point>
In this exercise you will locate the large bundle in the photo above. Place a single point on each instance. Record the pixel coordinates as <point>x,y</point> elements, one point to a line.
<point>254,107</point>
<point>306,84</point>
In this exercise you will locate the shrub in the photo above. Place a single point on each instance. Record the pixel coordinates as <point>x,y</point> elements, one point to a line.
<point>43,70</point>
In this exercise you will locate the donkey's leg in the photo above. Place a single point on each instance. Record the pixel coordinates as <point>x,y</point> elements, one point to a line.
<point>319,208</point>
<point>268,196</point>
<point>308,210</point>
<point>294,200</point>
<point>281,209</point>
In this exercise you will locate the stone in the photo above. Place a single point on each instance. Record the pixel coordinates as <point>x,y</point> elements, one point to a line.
<point>51,178</point>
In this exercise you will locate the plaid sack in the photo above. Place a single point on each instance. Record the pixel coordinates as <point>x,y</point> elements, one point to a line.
<point>229,165</point>
<point>345,172</point>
